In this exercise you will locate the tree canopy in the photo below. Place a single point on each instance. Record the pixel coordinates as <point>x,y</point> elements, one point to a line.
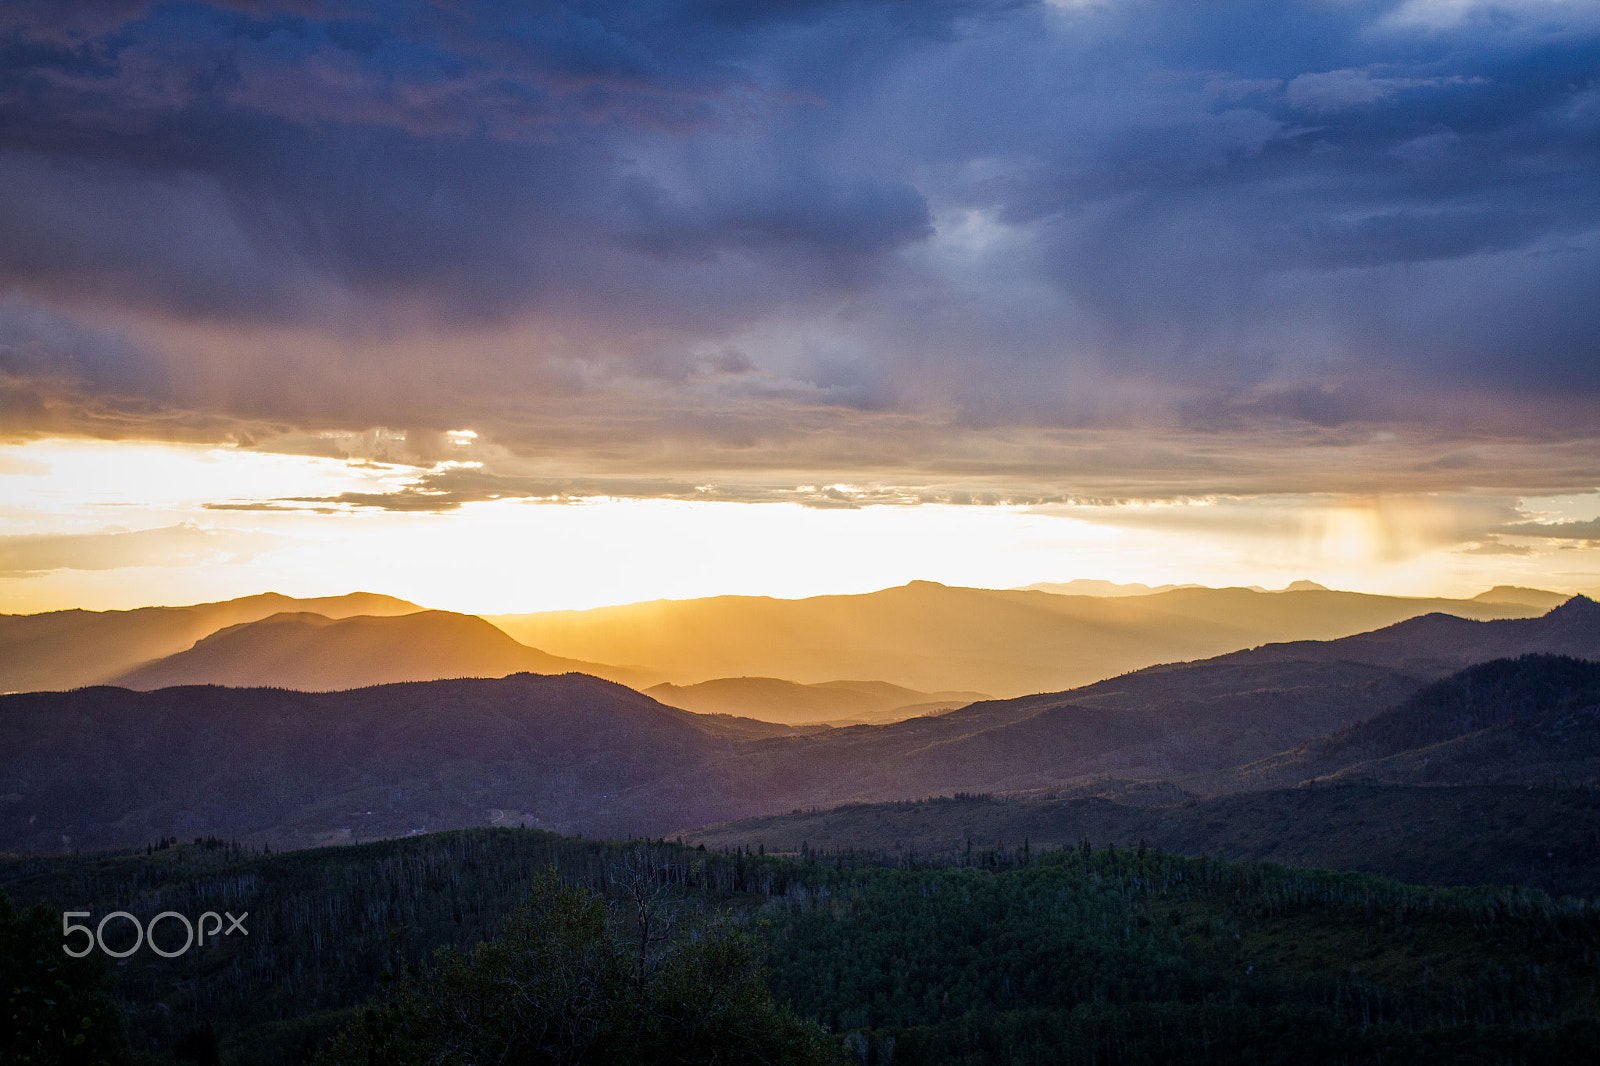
<point>566,984</point>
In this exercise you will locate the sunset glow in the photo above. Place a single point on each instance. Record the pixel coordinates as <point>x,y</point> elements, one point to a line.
<point>502,313</point>
<point>117,525</point>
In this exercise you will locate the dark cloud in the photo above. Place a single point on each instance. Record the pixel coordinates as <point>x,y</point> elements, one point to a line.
<point>861,218</point>
<point>1577,530</point>
<point>919,241</point>
<point>66,23</point>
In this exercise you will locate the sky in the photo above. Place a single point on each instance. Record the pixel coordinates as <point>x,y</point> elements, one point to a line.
<point>513,306</point>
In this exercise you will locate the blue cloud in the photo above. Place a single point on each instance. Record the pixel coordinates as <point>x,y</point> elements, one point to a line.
<point>1051,215</point>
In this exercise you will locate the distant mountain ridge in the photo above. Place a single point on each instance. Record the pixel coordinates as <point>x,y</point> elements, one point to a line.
<point>933,637</point>
<point>1088,586</point>
<point>312,653</point>
<point>1179,721</point>
<point>923,637</point>
<point>1539,598</point>
<point>1440,643</point>
<point>69,649</point>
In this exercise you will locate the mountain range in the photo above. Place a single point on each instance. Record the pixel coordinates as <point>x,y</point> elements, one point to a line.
<point>1486,775</point>
<point>919,644</point>
<point>314,653</point>
<point>69,649</point>
<point>579,754</point>
<point>932,637</point>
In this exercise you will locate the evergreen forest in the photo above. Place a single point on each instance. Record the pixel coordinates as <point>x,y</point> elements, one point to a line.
<point>1082,954</point>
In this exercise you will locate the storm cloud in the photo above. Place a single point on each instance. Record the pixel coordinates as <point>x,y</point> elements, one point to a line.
<point>1031,248</point>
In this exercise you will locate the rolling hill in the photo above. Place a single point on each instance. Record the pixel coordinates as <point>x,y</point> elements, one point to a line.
<point>930,637</point>
<point>313,653</point>
<point>299,768</point>
<point>70,649</point>
<point>836,702</point>
<point>569,752</point>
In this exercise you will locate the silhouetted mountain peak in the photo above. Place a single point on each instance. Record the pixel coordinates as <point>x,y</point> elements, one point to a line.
<point>1574,627</point>
<point>69,649</point>
<point>1517,594</point>
<point>311,652</point>
<point>1579,606</point>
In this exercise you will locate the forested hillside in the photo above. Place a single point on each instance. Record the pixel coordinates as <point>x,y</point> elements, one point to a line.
<point>1530,720</point>
<point>1545,838</point>
<point>299,768</point>
<point>1021,955</point>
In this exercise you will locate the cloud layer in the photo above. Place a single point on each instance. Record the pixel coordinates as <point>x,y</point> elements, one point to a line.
<point>26,555</point>
<point>1021,248</point>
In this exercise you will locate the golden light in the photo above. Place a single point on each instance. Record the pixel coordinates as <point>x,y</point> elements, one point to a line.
<point>520,555</point>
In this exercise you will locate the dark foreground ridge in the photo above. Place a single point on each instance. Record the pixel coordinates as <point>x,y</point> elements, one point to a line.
<point>1085,954</point>
<point>573,753</point>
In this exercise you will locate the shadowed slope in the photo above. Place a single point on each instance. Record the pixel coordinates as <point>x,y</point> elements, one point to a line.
<point>300,768</point>
<point>1535,719</point>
